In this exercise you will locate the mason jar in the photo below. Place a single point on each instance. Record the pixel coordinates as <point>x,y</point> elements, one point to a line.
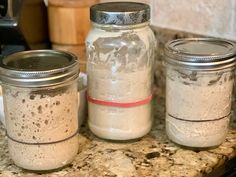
<point>199,83</point>
<point>120,56</point>
<point>41,108</point>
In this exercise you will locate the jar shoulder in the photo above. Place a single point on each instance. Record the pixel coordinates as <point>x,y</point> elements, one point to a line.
<point>116,38</point>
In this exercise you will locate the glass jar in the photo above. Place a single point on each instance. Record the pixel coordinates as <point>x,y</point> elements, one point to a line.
<point>199,83</point>
<point>120,55</point>
<point>41,108</point>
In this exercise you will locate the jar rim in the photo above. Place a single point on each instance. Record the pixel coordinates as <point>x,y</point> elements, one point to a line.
<point>110,27</point>
<point>38,68</point>
<point>201,53</point>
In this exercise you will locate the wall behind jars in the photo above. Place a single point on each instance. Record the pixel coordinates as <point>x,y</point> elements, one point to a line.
<point>214,18</point>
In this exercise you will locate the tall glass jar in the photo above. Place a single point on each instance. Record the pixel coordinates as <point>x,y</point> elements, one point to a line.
<point>41,108</point>
<point>199,82</point>
<point>120,54</point>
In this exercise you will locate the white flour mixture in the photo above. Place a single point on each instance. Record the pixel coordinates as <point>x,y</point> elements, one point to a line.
<point>120,70</point>
<point>41,117</point>
<point>198,107</point>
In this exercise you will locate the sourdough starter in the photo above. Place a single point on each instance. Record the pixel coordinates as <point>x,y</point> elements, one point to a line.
<point>198,106</point>
<point>120,123</point>
<point>42,126</point>
<point>120,70</point>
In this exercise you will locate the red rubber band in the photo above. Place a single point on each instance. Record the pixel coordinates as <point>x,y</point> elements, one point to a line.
<point>120,105</point>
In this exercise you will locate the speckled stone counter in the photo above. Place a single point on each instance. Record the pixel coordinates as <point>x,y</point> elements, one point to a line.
<point>152,156</point>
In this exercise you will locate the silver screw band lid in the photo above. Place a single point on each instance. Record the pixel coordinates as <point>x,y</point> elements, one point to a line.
<point>201,53</point>
<point>38,68</point>
<point>120,13</point>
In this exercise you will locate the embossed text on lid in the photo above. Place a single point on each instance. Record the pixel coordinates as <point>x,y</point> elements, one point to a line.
<point>120,13</point>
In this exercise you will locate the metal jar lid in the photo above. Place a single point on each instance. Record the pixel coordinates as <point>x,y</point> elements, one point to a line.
<point>201,53</point>
<point>120,13</point>
<point>38,68</point>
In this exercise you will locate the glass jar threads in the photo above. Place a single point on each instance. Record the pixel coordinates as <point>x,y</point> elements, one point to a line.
<point>120,54</point>
<point>199,82</point>
<point>41,108</point>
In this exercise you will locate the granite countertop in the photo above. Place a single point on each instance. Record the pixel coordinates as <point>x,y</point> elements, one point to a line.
<point>152,156</point>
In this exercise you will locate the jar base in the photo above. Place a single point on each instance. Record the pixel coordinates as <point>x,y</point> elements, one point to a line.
<point>195,148</point>
<point>118,135</point>
<point>43,158</point>
<point>46,171</point>
<point>119,141</point>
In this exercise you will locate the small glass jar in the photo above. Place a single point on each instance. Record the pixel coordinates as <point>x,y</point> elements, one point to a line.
<point>41,108</point>
<point>120,55</point>
<point>199,83</point>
